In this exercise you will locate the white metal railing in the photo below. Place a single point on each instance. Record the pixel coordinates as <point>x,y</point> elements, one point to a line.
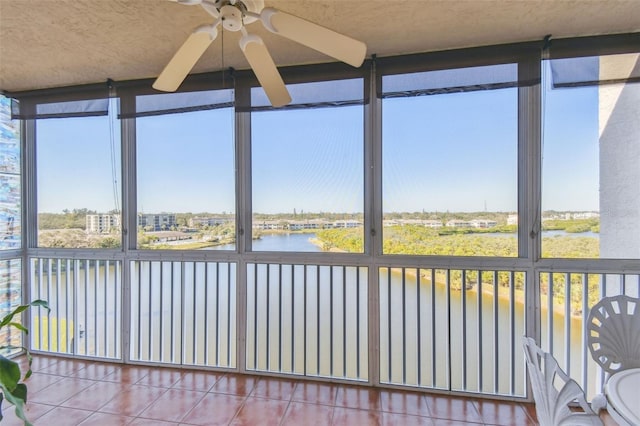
<point>449,329</point>
<point>308,320</point>
<point>452,329</point>
<point>85,297</point>
<point>183,313</point>
<point>565,301</point>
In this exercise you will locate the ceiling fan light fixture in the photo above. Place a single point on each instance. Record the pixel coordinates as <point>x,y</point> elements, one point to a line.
<point>231,18</point>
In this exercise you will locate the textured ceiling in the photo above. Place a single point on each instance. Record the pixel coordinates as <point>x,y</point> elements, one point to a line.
<point>51,43</point>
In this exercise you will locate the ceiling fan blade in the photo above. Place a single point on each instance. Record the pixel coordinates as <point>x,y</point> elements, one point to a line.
<point>265,69</point>
<point>185,58</point>
<point>317,37</point>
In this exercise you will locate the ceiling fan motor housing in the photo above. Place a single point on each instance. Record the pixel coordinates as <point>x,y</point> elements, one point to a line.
<point>233,12</point>
<point>231,17</point>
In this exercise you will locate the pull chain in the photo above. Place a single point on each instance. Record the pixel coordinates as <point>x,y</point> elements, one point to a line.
<point>222,42</point>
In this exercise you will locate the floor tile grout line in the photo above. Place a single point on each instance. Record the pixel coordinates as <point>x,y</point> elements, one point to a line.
<point>245,396</point>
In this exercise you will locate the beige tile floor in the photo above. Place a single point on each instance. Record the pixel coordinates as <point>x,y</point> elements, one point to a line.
<point>78,392</point>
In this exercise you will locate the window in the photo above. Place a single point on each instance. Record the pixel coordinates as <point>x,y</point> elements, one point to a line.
<point>10,205</point>
<point>185,175</point>
<point>78,182</point>
<point>10,299</point>
<point>307,174</point>
<point>449,146</point>
<point>590,176</point>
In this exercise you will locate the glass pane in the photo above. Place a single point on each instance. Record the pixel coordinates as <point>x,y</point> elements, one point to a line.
<point>308,185</point>
<point>186,184</point>
<point>78,182</point>
<point>10,298</point>
<point>449,172</point>
<point>10,205</point>
<point>590,174</point>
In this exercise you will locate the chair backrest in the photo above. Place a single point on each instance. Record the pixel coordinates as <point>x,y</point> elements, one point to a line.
<point>553,390</point>
<point>614,333</point>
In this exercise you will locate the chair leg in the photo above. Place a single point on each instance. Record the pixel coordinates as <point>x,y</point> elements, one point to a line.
<point>598,403</point>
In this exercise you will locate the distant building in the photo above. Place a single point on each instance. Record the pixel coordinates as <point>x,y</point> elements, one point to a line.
<point>298,225</point>
<point>586,215</point>
<point>207,221</point>
<point>432,223</point>
<point>102,223</point>
<point>268,225</point>
<point>512,219</point>
<point>347,224</point>
<point>455,223</point>
<point>417,222</point>
<point>157,222</point>
<point>483,223</point>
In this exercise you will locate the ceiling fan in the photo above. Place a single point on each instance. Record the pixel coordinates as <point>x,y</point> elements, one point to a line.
<point>234,15</point>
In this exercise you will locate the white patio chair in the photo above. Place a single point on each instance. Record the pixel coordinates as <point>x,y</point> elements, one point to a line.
<point>614,333</point>
<point>553,390</point>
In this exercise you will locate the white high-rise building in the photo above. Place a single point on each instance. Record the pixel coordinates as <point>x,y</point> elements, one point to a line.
<point>102,223</point>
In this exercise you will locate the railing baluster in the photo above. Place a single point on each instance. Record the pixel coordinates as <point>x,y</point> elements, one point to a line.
<point>389,339</point>
<point>161,314</point>
<point>172,343</point>
<point>304,323</point>
<point>404,326</point>
<point>512,337</point>
<point>194,341</point>
<point>117,311</point>
<point>293,323</point>
<point>228,362</point>
<point>331,271</point>
<point>76,331</point>
<point>57,317</point>
<point>49,273</point>
<point>279,318</point>
<point>150,310</point>
<point>550,296</point>
<point>268,332</point>
<point>567,323</point>
<point>434,340</point>
<point>183,306</point>
<point>585,315</point>
<point>479,330</point>
<point>463,289</point>
<point>448,363</point>
<point>419,327</point>
<point>104,302</point>
<point>318,320</point>
<point>357,322</point>
<point>496,327</point>
<point>344,322</point>
<point>87,274</point>
<point>255,316</point>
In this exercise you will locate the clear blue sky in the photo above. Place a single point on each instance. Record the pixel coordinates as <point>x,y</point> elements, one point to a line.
<point>452,152</point>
